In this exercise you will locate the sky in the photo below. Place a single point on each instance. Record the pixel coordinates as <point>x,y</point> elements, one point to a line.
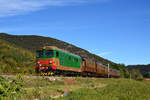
<point>118,30</point>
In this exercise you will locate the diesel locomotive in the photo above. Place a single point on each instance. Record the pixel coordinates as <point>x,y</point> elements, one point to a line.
<point>58,61</point>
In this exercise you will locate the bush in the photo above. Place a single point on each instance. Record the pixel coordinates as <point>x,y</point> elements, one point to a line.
<point>147,75</point>
<point>14,58</point>
<point>122,89</point>
<point>135,74</point>
<point>11,88</point>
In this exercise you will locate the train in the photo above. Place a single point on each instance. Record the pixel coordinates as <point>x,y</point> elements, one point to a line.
<point>51,59</point>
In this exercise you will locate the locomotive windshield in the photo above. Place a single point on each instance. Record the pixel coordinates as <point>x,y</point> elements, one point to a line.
<point>39,53</point>
<point>49,53</point>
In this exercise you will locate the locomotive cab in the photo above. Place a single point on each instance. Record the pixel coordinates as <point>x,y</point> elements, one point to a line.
<point>46,59</point>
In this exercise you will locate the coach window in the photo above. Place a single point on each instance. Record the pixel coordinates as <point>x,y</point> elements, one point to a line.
<point>76,60</point>
<point>57,54</point>
<point>69,58</point>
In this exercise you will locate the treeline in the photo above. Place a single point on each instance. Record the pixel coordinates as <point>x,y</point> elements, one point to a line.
<point>143,69</point>
<point>125,73</point>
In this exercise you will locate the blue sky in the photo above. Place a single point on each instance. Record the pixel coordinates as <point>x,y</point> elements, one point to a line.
<point>118,30</point>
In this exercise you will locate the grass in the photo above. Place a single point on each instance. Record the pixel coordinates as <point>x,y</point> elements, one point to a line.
<point>77,88</point>
<point>120,90</point>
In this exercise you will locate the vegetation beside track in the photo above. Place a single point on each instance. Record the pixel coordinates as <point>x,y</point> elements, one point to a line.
<point>15,60</point>
<point>73,88</point>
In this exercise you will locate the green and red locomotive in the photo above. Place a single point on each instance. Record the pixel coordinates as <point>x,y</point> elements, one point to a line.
<point>59,61</point>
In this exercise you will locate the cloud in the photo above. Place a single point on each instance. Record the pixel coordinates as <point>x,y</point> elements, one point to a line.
<point>15,7</point>
<point>99,53</point>
<point>104,53</point>
<point>93,50</point>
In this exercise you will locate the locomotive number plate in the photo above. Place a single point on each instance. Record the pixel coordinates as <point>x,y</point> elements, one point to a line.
<point>47,74</point>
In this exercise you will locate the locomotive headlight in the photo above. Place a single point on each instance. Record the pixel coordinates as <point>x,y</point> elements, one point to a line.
<point>52,62</point>
<point>38,62</point>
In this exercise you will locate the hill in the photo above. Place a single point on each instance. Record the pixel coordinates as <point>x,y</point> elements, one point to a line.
<point>29,43</point>
<point>32,42</point>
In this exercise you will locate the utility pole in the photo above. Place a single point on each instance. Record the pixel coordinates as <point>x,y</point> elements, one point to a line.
<point>108,70</point>
<point>130,76</point>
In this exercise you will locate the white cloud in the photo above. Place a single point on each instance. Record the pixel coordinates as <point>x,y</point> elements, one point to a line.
<point>93,50</point>
<point>99,53</point>
<point>15,7</point>
<point>104,53</point>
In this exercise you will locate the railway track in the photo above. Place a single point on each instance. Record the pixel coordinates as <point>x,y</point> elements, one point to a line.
<point>52,78</point>
<point>33,77</point>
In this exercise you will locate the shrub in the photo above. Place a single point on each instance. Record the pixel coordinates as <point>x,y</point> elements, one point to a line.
<point>135,74</point>
<point>11,88</point>
<point>13,57</point>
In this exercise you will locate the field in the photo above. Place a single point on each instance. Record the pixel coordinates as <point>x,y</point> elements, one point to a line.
<point>72,88</point>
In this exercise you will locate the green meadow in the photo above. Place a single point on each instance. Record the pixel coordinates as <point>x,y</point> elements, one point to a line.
<point>21,87</point>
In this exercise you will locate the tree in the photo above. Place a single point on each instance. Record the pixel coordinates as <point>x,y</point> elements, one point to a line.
<point>135,74</point>
<point>147,75</point>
